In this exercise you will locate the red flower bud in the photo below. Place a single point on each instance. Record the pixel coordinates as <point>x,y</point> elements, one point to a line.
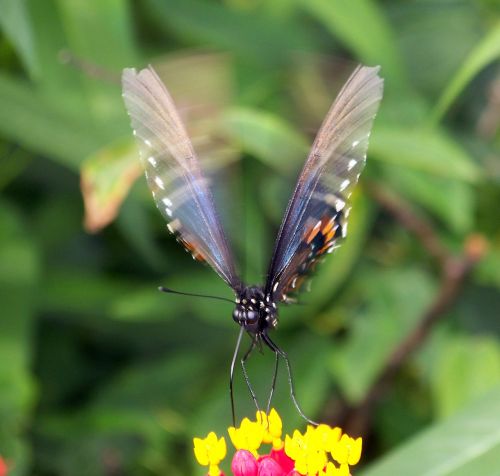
<point>282,459</point>
<point>269,467</point>
<point>244,464</point>
<point>3,467</point>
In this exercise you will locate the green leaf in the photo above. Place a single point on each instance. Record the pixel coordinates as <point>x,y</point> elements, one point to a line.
<point>362,27</point>
<point>465,369</point>
<point>101,55</point>
<point>16,25</point>
<point>267,137</point>
<point>19,275</point>
<point>261,38</point>
<point>129,301</point>
<point>106,178</point>
<point>137,229</point>
<point>488,270</point>
<point>380,326</point>
<point>466,444</point>
<point>58,81</point>
<point>451,200</point>
<point>487,51</point>
<point>428,150</point>
<point>51,132</point>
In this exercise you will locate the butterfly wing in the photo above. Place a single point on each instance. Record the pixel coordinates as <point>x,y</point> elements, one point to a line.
<point>173,173</point>
<point>317,213</point>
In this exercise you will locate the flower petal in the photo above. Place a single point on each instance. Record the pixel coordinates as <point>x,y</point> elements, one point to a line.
<point>220,449</point>
<point>355,451</point>
<point>200,451</point>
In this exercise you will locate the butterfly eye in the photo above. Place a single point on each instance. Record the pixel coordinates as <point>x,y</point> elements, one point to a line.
<point>237,315</point>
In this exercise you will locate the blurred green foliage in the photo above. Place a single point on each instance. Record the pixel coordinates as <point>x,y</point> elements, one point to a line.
<point>102,375</point>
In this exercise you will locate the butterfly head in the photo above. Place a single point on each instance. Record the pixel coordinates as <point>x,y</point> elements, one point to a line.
<point>255,311</point>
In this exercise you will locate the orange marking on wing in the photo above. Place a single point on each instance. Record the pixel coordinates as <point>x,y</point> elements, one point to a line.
<point>312,234</point>
<point>324,249</point>
<point>330,235</point>
<point>196,254</point>
<point>329,225</point>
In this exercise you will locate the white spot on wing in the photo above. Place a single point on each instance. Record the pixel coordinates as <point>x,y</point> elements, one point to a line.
<point>167,201</point>
<point>159,182</point>
<point>344,184</point>
<point>152,161</point>
<point>351,164</point>
<point>174,225</point>
<point>168,211</point>
<point>355,143</point>
<point>339,204</point>
<point>147,142</point>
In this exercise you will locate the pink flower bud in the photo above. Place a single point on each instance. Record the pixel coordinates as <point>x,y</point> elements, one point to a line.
<point>269,467</point>
<point>244,464</point>
<point>294,472</point>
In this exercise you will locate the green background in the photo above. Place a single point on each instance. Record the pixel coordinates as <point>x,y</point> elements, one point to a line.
<point>100,374</point>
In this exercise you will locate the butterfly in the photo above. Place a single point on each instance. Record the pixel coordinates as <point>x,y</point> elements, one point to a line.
<point>315,219</point>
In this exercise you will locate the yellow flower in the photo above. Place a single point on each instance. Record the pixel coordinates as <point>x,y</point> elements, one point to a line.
<point>332,470</point>
<point>210,451</point>
<point>273,427</point>
<point>347,450</point>
<point>304,450</point>
<point>248,436</point>
<point>325,436</point>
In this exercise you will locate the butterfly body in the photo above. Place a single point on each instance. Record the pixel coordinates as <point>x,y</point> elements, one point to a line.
<point>255,310</point>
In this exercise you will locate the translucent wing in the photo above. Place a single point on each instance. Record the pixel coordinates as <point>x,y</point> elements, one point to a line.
<point>173,173</point>
<point>317,213</point>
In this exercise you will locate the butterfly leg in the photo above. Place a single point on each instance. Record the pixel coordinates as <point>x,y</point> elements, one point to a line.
<point>284,356</point>
<point>273,384</point>
<point>245,374</point>
<point>231,373</point>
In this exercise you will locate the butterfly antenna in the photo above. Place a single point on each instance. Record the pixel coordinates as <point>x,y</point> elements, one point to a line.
<point>163,289</point>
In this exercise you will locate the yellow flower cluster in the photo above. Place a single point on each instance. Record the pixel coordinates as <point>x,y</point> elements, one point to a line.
<point>251,434</point>
<point>311,450</point>
<point>319,451</point>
